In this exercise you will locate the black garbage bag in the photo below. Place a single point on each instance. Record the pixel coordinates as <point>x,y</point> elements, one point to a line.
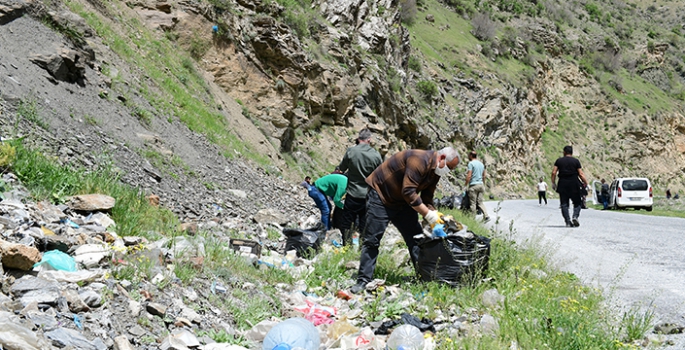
<point>450,202</point>
<point>305,242</point>
<point>422,324</point>
<point>453,259</point>
<point>465,202</point>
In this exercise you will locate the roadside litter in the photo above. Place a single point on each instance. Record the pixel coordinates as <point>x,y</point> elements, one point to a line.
<point>450,258</point>
<point>305,242</point>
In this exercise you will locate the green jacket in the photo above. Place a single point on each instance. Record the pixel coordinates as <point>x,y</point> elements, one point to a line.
<point>359,162</point>
<point>334,186</point>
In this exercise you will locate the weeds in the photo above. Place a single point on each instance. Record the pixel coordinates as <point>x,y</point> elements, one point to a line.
<point>8,154</point>
<point>635,323</point>
<point>28,109</point>
<point>132,213</point>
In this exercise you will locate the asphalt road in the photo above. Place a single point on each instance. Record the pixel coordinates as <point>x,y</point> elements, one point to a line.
<point>637,260</point>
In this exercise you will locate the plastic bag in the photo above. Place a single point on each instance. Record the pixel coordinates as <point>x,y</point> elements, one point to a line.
<point>305,242</point>
<point>317,314</point>
<point>58,260</point>
<point>449,259</point>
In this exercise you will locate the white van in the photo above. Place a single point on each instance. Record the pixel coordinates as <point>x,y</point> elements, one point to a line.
<point>631,192</point>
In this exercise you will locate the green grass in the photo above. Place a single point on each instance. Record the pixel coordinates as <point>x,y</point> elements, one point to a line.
<point>48,181</point>
<point>639,95</point>
<point>437,44</point>
<point>544,308</point>
<point>186,98</point>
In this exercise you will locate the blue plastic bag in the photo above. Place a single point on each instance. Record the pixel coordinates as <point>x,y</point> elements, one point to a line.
<point>58,260</point>
<point>439,230</point>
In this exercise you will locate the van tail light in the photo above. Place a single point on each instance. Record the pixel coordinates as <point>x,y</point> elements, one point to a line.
<point>650,192</point>
<point>619,192</point>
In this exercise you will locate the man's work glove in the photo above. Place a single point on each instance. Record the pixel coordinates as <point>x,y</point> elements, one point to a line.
<point>434,217</point>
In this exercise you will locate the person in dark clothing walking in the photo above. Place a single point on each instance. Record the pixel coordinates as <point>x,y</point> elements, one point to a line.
<point>571,178</point>
<point>604,192</point>
<point>401,188</point>
<point>359,162</point>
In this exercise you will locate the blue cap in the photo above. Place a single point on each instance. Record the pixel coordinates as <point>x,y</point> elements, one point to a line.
<point>282,346</point>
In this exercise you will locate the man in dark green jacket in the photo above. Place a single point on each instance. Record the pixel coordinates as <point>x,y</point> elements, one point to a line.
<point>359,162</point>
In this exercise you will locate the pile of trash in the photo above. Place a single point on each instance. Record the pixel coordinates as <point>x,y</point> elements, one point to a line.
<point>69,281</point>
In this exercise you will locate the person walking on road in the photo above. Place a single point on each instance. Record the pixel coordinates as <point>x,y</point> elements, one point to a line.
<point>400,189</point>
<point>571,179</point>
<point>542,192</point>
<point>604,192</point>
<point>475,179</point>
<point>359,162</point>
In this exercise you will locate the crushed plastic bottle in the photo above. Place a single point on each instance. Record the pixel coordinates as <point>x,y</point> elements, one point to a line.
<point>405,337</point>
<point>293,333</point>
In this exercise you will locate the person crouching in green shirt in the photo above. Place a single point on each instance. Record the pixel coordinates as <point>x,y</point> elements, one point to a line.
<point>333,186</point>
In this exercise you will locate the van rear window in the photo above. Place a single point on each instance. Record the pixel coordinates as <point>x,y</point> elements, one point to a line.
<point>635,185</point>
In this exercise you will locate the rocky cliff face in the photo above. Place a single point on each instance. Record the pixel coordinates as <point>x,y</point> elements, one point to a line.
<point>341,78</point>
<point>306,95</point>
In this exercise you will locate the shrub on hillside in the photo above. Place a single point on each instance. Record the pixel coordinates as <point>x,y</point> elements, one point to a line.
<point>462,7</point>
<point>484,28</point>
<point>415,64</point>
<point>7,155</point>
<point>616,82</point>
<point>408,11</point>
<point>427,88</point>
<point>593,11</point>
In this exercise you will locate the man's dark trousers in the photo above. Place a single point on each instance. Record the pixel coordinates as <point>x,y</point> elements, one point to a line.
<point>404,217</point>
<point>354,208</point>
<point>564,197</point>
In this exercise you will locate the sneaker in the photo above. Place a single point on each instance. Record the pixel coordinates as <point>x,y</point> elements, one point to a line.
<point>486,219</point>
<point>575,222</point>
<point>358,288</point>
<point>569,224</point>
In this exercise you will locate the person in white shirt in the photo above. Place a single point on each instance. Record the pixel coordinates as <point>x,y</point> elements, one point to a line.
<point>542,192</point>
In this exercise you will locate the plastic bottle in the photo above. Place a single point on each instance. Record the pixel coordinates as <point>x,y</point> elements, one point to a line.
<point>293,333</point>
<point>405,337</point>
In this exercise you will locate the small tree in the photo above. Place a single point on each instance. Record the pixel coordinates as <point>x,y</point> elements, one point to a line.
<point>483,27</point>
<point>408,11</point>
<point>427,88</point>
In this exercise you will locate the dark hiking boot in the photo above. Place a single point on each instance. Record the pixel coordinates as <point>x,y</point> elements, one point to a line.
<point>358,288</point>
<point>575,222</point>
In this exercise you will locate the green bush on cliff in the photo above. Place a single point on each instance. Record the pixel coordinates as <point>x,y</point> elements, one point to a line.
<point>427,88</point>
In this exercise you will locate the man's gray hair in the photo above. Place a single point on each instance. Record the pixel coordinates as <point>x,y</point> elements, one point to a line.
<point>450,153</point>
<point>365,134</point>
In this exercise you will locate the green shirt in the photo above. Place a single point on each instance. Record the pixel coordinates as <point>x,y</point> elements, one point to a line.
<point>334,186</point>
<point>359,162</point>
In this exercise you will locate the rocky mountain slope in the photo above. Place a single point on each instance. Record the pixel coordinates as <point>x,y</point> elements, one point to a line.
<point>218,108</point>
<point>290,84</point>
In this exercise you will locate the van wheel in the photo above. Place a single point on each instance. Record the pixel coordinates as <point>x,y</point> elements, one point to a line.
<point>649,208</point>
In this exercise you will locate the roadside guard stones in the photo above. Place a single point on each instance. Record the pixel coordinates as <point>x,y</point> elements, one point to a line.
<point>91,202</point>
